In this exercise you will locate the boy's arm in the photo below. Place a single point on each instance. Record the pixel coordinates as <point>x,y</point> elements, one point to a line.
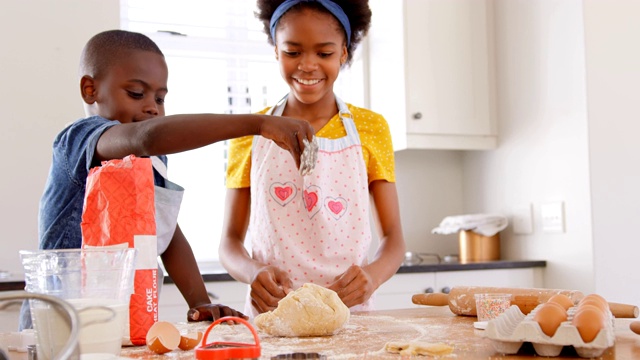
<point>181,265</point>
<point>176,133</point>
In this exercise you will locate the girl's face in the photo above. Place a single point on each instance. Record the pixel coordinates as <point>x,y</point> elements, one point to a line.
<point>310,47</point>
<point>133,89</point>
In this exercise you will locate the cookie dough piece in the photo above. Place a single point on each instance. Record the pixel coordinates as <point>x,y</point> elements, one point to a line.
<point>431,349</point>
<point>418,348</point>
<point>311,310</point>
<point>396,347</point>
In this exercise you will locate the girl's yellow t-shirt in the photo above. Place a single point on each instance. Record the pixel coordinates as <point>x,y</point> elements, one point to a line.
<point>375,137</point>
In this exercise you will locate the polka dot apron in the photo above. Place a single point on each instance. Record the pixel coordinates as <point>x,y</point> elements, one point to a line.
<point>315,226</point>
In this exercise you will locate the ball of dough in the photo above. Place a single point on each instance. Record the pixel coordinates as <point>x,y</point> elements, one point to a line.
<point>311,310</point>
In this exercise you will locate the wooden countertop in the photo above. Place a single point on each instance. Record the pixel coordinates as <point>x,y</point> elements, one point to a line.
<point>367,332</point>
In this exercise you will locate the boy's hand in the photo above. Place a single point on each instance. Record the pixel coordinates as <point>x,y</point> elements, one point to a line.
<point>269,286</point>
<point>212,312</point>
<point>354,286</point>
<point>288,133</point>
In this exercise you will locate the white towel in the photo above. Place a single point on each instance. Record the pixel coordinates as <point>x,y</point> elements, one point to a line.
<point>483,224</point>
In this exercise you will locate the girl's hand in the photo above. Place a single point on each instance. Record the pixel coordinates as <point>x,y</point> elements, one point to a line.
<point>287,133</point>
<point>212,312</point>
<point>354,286</point>
<point>269,285</point>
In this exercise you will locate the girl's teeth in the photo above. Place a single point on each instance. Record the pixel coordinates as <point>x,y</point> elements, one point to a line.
<point>308,82</point>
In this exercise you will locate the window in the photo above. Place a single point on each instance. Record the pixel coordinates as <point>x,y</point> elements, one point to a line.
<point>219,62</point>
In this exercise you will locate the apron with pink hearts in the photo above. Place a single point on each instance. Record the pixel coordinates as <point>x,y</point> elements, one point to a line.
<point>315,226</point>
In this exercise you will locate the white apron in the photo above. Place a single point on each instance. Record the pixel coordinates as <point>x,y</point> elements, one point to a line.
<point>167,204</point>
<point>315,226</point>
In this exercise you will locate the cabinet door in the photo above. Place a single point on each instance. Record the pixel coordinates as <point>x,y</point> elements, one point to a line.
<point>396,293</point>
<point>430,68</point>
<point>448,67</point>
<point>518,278</point>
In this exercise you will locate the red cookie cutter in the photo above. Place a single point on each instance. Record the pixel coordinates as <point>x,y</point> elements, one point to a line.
<point>220,350</point>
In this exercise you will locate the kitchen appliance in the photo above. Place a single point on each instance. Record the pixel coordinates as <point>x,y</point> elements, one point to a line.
<point>461,299</point>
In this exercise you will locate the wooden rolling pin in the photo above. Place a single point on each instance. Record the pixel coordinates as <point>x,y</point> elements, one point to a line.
<point>461,300</point>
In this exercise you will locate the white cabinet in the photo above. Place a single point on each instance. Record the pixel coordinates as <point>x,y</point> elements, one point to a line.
<point>172,306</point>
<point>397,292</point>
<point>430,72</point>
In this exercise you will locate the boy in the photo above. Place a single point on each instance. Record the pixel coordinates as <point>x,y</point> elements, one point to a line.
<point>123,84</point>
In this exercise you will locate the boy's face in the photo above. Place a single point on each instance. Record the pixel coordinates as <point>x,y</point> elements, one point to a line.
<point>131,90</point>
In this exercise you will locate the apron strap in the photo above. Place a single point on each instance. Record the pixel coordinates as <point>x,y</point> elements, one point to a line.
<point>160,167</point>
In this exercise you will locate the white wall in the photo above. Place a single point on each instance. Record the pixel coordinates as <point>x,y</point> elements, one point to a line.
<point>543,151</point>
<point>39,93</point>
<point>612,30</point>
<point>568,92</point>
<point>429,184</point>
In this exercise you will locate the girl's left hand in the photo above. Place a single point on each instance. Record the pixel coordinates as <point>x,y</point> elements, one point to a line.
<point>212,312</point>
<point>354,286</point>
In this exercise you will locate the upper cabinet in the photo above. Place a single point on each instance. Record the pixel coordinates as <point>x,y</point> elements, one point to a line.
<point>431,70</point>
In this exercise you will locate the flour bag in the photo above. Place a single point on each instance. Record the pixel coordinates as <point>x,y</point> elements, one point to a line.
<point>119,210</point>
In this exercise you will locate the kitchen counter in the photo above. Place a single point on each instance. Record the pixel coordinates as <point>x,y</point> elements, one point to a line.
<point>367,332</point>
<point>212,273</point>
<point>215,272</point>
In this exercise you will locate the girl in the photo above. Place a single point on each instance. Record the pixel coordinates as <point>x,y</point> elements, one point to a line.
<point>313,228</point>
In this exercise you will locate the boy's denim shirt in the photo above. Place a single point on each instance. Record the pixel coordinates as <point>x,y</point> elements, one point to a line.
<point>61,204</point>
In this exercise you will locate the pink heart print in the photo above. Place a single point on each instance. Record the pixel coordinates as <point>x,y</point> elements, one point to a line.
<point>312,196</point>
<point>310,199</point>
<point>283,193</point>
<point>337,206</point>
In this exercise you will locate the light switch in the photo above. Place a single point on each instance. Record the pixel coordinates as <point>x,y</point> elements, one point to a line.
<point>523,220</point>
<point>552,217</point>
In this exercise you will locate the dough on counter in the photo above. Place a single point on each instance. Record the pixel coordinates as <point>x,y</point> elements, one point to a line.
<point>418,348</point>
<point>311,310</point>
<point>396,347</point>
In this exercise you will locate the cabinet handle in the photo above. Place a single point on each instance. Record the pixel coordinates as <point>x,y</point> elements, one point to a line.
<point>446,290</point>
<point>212,296</point>
<point>417,116</point>
<point>428,290</point>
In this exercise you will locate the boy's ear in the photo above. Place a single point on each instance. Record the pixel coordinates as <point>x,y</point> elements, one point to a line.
<point>88,89</point>
<point>275,48</point>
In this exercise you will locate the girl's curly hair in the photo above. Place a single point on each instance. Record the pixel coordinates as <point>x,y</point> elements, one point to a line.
<point>357,11</point>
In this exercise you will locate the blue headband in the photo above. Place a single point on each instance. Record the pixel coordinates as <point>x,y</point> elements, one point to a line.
<point>333,8</point>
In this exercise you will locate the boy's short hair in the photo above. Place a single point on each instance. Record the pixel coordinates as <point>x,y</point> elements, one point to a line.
<point>105,48</point>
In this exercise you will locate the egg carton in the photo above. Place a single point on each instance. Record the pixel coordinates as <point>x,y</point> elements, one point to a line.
<point>512,328</point>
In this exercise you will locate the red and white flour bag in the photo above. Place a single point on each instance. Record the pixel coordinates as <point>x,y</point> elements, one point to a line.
<point>119,210</point>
